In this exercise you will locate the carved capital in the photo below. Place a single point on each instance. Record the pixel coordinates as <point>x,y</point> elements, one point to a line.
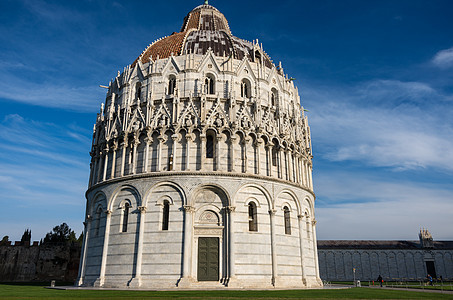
<point>272,212</point>
<point>108,211</point>
<point>229,209</point>
<point>313,222</point>
<point>115,145</point>
<point>142,209</point>
<point>189,209</point>
<point>300,216</point>
<point>190,137</point>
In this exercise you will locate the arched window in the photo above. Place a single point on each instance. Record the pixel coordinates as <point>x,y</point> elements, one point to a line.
<point>171,85</point>
<point>274,155</point>
<point>98,221</point>
<point>274,97</point>
<point>257,56</point>
<point>245,88</point>
<point>138,90</point>
<point>209,146</point>
<point>253,220</point>
<point>165,215</point>
<point>287,220</point>
<point>209,84</point>
<point>125,216</point>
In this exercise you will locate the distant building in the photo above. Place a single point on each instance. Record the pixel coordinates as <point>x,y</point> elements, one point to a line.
<point>393,260</point>
<point>201,170</point>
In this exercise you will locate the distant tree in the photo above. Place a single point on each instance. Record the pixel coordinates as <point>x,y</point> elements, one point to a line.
<point>80,239</point>
<point>26,237</point>
<point>4,240</point>
<point>60,234</point>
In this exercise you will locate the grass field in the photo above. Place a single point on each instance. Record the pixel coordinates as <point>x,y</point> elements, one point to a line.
<point>39,292</point>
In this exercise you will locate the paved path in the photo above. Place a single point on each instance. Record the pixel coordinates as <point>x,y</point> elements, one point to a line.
<point>413,290</point>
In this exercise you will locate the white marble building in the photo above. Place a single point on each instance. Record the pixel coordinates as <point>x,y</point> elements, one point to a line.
<point>201,170</point>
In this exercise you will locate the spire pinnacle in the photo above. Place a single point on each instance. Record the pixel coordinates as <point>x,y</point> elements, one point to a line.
<point>206,2</point>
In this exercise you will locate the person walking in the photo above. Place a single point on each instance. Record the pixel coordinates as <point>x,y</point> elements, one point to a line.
<point>430,279</point>
<point>380,280</point>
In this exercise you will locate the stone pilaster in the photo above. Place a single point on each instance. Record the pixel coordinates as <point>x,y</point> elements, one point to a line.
<point>315,249</point>
<point>273,247</point>
<point>136,280</point>
<point>82,266</point>
<point>187,278</point>
<point>100,281</point>
<point>301,245</point>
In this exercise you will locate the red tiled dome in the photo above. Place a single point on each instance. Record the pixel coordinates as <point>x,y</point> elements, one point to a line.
<point>204,27</point>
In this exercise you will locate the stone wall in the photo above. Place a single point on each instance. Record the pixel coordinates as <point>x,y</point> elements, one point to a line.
<point>39,263</point>
<point>392,264</point>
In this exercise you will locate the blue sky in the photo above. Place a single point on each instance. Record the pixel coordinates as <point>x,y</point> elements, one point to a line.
<point>376,77</point>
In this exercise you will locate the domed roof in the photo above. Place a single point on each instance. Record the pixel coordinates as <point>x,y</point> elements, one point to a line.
<point>204,27</point>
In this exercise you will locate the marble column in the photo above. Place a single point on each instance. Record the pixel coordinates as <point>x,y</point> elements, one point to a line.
<point>296,167</point>
<point>99,166</point>
<point>232,162</point>
<point>301,245</point>
<point>231,243</point>
<point>315,248</point>
<point>134,155</point>
<point>100,281</point>
<point>188,147</point>
<point>245,141</point>
<point>175,165</point>
<point>136,280</point>
<point>310,171</point>
<point>188,241</point>
<point>93,171</point>
<point>304,173</point>
<point>123,155</point>
<point>148,141</point>
<point>203,151</point>
<point>106,162</point>
<point>269,159</point>
<point>273,246</point>
<point>280,162</point>
<point>82,266</point>
<point>159,153</point>
<point>217,153</point>
<point>112,170</point>
<point>258,160</point>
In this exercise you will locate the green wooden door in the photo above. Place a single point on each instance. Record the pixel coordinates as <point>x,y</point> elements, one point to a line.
<point>208,259</point>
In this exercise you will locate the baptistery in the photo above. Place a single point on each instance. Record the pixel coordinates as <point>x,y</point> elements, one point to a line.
<point>201,169</point>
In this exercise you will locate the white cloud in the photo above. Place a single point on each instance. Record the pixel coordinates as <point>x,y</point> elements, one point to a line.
<point>383,123</point>
<point>44,172</point>
<point>444,58</point>
<point>358,206</point>
<point>75,98</point>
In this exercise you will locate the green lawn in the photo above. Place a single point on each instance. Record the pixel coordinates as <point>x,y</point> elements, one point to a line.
<point>29,291</point>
